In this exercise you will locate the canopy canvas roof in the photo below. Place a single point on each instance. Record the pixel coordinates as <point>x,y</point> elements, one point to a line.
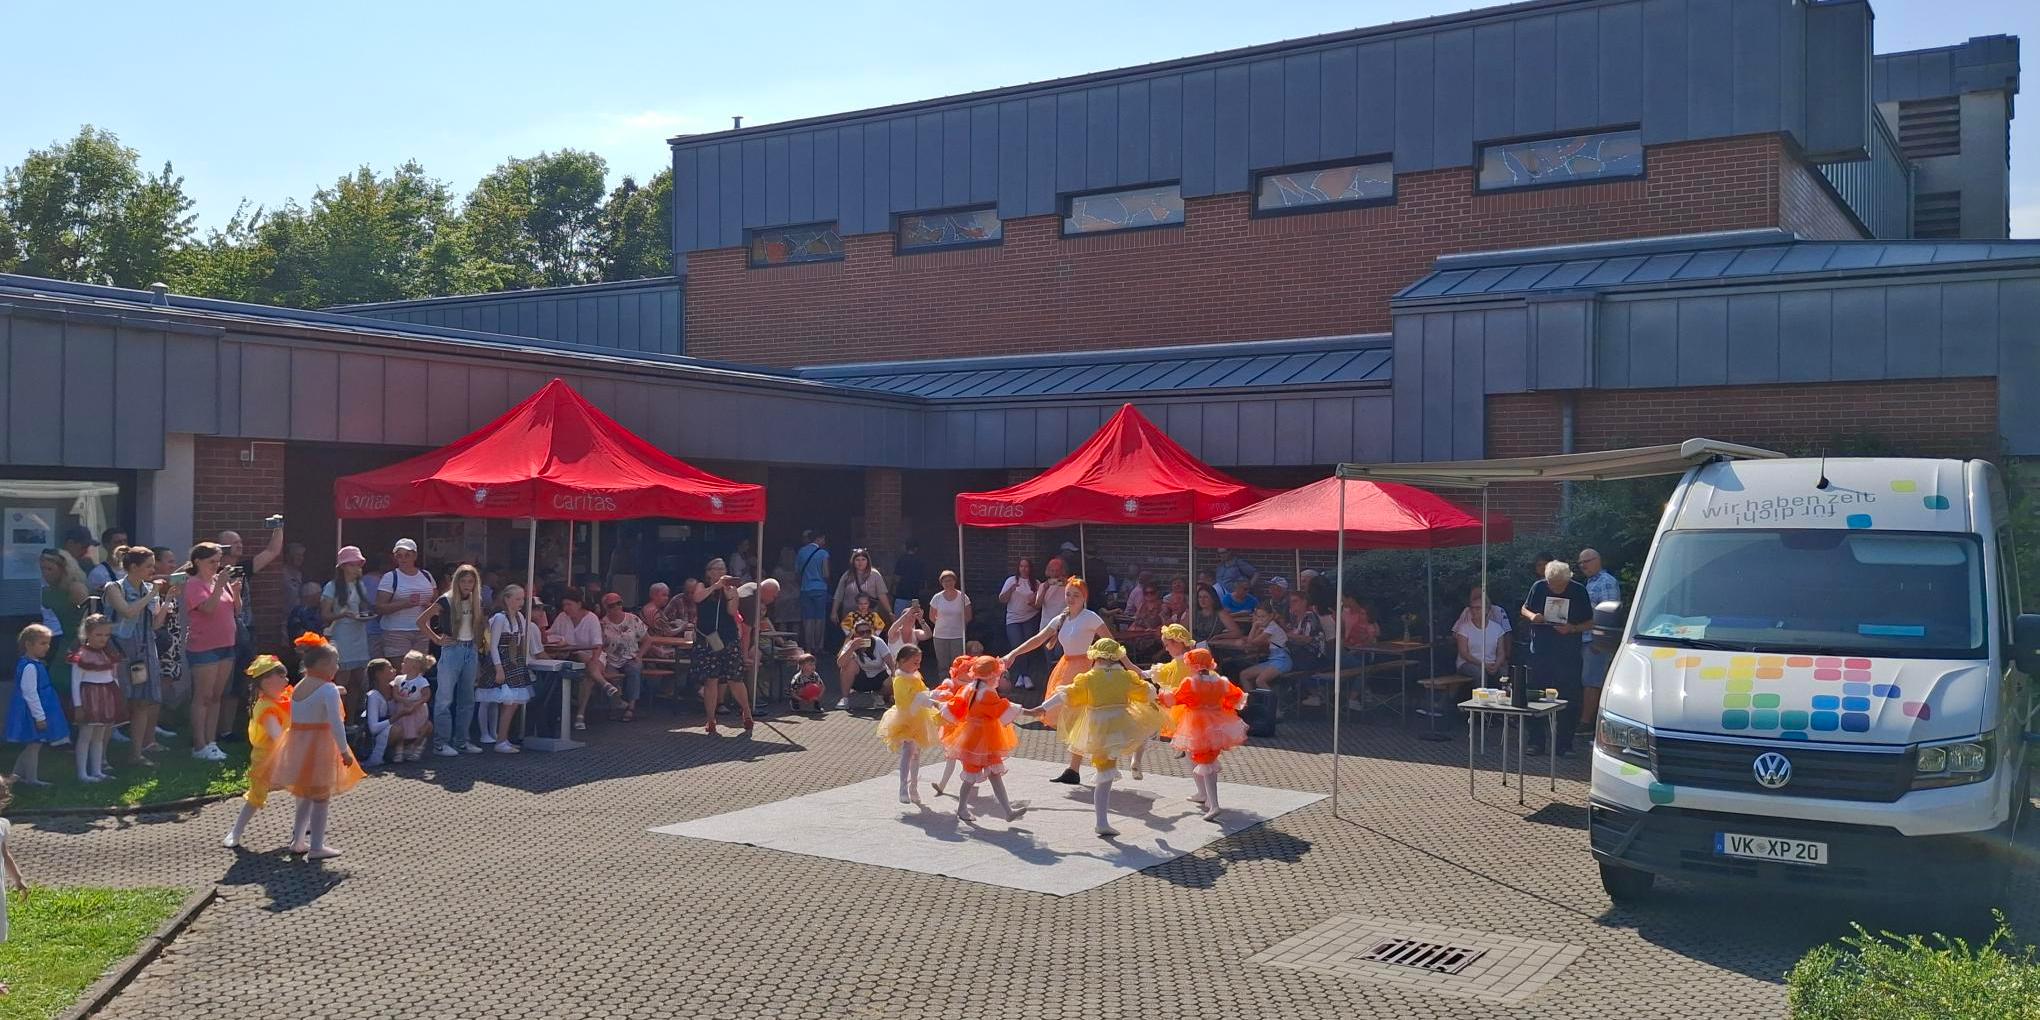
<point>554,457</point>
<point>1379,515</point>
<point>1128,472</point>
<point>1599,466</point>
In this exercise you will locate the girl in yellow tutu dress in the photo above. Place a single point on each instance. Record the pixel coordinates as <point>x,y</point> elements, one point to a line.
<point>1206,707</point>
<point>267,721</point>
<point>1107,713</point>
<point>959,678</point>
<point>983,735</point>
<point>912,723</point>
<point>314,762</point>
<point>1073,630</point>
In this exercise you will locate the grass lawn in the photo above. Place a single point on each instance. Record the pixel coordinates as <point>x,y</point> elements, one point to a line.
<point>177,775</point>
<point>61,940</point>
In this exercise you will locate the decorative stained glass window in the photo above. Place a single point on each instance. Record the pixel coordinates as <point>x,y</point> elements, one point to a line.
<point>1566,160</point>
<point>1131,209</point>
<point>1313,189</point>
<point>784,246</point>
<point>955,229</point>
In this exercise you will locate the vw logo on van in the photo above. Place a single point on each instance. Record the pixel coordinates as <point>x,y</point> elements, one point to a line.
<point>1773,770</point>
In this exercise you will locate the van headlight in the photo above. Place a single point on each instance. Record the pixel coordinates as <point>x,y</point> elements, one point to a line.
<point>1954,762</point>
<point>1621,738</point>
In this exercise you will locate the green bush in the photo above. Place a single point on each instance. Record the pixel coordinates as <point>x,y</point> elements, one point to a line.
<point>1891,978</point>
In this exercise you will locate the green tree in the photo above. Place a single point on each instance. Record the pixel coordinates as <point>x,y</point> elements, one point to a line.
<point>83,210</point>
<point>637,229</point>
<point>537,222</point>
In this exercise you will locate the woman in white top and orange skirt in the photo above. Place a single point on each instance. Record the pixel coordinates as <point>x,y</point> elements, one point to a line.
<point>1074,630</point>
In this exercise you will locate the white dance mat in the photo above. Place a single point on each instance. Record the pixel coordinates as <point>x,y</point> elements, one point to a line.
<point>1049,848</point>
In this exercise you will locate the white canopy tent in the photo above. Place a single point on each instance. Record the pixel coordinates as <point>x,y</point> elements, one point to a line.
<point>1599,466</point>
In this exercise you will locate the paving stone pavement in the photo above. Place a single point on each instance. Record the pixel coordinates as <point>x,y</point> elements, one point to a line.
<point>492,887</point>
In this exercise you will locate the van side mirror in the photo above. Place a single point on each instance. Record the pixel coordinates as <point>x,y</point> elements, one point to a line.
<point>1611,618</point>
<point>2026,643</point>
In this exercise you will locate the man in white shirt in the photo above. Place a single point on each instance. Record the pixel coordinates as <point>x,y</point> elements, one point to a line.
<point>400,596</point>
<point>864,664</point>
<point>1483,645</point>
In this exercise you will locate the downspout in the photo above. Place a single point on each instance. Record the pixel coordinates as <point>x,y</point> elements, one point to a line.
<point>1568,405</point>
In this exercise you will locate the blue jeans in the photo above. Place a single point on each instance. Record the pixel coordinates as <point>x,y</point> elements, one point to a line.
<point>453,695</point>
<point>1016,635</point>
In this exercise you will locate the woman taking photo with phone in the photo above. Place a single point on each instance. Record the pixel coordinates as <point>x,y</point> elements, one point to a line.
<point>137,606</point>
<point>718,659</point>
<point>211,601</point>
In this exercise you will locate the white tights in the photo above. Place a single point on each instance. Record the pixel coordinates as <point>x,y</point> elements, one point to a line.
<point>91,751</point>
<point>970,781</point>
<point>910,772</point>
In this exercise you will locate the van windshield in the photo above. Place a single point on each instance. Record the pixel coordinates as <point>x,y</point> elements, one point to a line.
<point>1827,590</point>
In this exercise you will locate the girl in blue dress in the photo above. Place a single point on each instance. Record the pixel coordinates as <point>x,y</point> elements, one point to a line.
<point>35,716</point>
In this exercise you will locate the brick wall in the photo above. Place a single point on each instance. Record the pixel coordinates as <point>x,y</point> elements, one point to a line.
<point>1222,276</point>
<point>1807,207</point>
<point>1918,417</point>
<point>230,494</point>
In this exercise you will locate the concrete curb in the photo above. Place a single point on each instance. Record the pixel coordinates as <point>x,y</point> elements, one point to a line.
<point>117,810</point>
<point>102,992</point>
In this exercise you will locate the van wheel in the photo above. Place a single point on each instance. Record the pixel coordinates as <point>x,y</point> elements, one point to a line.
<point>1626,885</point>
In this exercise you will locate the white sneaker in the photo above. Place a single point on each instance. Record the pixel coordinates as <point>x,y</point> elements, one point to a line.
<point>118,737</point>
<point>162,733</point>
<point>842,704</point>
<point>506,747</point>
<point>446,752</point>
<point>474,749</point>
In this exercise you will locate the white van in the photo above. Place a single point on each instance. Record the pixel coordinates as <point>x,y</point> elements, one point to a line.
<point>1823,681</point>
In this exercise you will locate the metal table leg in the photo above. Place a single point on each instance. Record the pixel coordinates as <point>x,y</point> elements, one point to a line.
<point>1469,752</point>
<point>1519,761</point>
<point>1551,747</point>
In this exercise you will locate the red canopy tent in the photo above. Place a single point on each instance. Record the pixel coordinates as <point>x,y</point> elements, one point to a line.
<point>556,457</point>
<point>1377,515</point>
<point>1128,472</point>
<point>553,457</point>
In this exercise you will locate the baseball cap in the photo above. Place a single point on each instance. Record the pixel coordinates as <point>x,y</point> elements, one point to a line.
<point>404,545</point>
<point>81,534</point>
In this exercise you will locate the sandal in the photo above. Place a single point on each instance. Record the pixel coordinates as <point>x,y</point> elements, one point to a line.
<point>630,714</point>
<point>580,724</point>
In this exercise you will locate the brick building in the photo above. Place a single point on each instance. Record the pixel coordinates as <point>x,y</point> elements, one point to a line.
<point>1556,225</point>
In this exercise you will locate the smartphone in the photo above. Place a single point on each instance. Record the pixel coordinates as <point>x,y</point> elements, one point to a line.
<point>179,577</point>
<point>273,522</point>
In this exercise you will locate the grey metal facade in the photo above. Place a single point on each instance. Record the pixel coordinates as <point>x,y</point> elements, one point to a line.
<point>632,315</point>
<point>1983,64</point>
<point>1736,309</point>
<point>1425,92</point>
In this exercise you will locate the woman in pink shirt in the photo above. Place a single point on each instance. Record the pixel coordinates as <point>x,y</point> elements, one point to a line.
<point>211,601</point>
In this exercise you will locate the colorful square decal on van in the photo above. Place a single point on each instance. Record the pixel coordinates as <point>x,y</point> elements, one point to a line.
<point>1935,502</point>
<point>1827,722</point>
<point>1793,719</point>
<point>1735,719</point>
<point>1904,485</point>
<point>1855,722</point>
<point>1918,710</point>
<point>1859,521</point>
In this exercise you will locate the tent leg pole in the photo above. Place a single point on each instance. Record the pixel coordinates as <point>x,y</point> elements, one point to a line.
<point>1190,564</point>
<point>1338,644</point>
<point>595,554</point>
<point>1083,562</point>
<point>959,555</point>
<point>530,602</point>
<point>1296,576</point>
<point>1485,598</point>
<point>339,530</point>
<point>758,626</point>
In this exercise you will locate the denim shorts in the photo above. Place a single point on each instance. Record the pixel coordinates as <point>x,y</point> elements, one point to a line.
<point>209,656</point>
<point>814,605</point>
<point>1594,668</point>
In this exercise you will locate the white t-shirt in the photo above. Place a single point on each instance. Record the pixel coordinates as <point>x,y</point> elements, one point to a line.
<point>871,662</point>
<point>1277,637</point>
<point>403,585</point>
<point>948,608</point>
<point>1019,608</point>
<point>1076,632</point>
<point>586,634</point>
<point>1484,641</point>
<point>1055,597</point>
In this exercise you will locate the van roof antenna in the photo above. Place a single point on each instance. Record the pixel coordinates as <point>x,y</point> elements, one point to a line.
<point>1822,484</point>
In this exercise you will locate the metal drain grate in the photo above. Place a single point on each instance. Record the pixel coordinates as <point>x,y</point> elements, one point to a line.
<point>1432,956</point>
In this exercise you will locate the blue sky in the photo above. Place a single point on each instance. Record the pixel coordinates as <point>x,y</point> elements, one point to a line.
<point>269,101</point>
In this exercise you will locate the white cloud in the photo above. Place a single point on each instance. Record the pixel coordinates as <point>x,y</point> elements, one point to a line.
<point>643,125</point>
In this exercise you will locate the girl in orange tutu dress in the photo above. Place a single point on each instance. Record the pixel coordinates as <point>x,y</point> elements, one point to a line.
<point>912,723</point>
<point>984,734</point>
<point>267,721</point>
<point>314,762</point>
<point>1073,630</point>
<point>1108,712</point>
<point>959,678</point>
<point>1206,707</point>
